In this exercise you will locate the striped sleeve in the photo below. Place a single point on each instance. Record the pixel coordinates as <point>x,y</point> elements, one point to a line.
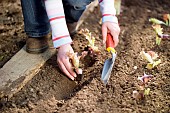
<point>108,11</point>
<point>55,12</point>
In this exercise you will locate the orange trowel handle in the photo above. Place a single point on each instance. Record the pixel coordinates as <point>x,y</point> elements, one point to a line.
<point>110,43</point>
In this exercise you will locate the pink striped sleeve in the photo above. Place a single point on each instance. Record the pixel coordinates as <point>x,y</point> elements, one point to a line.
<point>108,11</point>
<point>55,12</point>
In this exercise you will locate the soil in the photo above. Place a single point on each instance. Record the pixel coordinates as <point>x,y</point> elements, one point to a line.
<point>52,92</point>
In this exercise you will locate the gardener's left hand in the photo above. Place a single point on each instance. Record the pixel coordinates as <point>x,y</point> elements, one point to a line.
<point>113,29</point>
<point>63,60</point>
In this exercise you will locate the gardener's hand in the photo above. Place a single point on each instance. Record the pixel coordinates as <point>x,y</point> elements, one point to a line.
<point>63,61</point>
<point>113,29</point>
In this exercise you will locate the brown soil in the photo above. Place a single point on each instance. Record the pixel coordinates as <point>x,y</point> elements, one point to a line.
<point>50,91</point>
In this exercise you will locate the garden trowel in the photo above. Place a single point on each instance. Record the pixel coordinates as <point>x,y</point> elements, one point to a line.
<point>108,65</point>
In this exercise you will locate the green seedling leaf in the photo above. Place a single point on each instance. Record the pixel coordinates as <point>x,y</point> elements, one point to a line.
<point>146,92</point>
<point>88,36</point>
<point>91,39</point>
<point>149,66</point>
<point>158,29</point>
<point>156,21</point>
<point>158,40</point>
<point>151,57</point>
<point>152,65</point>
<point>155,63</point>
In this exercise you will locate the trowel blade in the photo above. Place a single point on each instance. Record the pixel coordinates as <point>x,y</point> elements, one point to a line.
<point>107,69</point>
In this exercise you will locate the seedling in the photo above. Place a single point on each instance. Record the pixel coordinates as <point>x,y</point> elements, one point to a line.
<point>75,59</point>
<point>143,90</point>
<point>90,52</point>
<point>157,27</point>
<point>156,21</point>
<point>159,32</point>
<point>166,18</point>
<point>91,42</point>
<point>151,57</point>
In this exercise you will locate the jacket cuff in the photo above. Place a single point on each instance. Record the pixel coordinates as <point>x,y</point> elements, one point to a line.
<point>110,18</point>
<point>62,41</point>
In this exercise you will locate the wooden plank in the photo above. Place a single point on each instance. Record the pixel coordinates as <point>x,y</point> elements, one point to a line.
<point>22,67</point>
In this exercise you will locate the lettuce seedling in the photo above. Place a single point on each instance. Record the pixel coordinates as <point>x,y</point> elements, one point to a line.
<point>156,21</point>
<point>159,32</point>
<point>75,59</point>
<point>86,55</point>
<point>91,41</point>
<point>143,90</point>
<point>157,27</point>
<point>166,18</point>
<point>151,57</point>
<point>92,51</point>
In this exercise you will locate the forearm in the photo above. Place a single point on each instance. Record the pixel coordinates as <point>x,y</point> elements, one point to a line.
<point>55,12</point>
<point>108,11</point>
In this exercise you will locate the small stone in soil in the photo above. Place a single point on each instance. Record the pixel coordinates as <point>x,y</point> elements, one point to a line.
<point>135,67</point>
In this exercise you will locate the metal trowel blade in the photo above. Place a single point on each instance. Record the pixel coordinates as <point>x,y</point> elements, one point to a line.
<point>107,69</point>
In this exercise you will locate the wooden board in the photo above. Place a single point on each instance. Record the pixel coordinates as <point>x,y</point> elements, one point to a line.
<point>22,67</point>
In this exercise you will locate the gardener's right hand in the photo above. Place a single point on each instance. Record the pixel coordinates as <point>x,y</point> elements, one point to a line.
<point>113,29</point>
<point>63,61</point>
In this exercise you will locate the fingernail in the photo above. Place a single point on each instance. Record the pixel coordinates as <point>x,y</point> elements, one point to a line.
<point>75,75</point>
<point>72,78</point>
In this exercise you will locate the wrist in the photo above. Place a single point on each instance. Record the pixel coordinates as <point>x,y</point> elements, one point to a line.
<point>109,18</point>
<point>65,45</point>
<point>61,41</point>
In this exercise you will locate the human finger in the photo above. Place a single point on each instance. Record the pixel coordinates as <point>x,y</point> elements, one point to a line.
<point>115,38</point>
<point>68,66</point>
<point>64,70</point>
<point>104,33</point>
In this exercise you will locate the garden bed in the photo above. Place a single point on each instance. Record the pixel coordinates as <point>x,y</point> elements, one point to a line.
<point>50,91</point>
